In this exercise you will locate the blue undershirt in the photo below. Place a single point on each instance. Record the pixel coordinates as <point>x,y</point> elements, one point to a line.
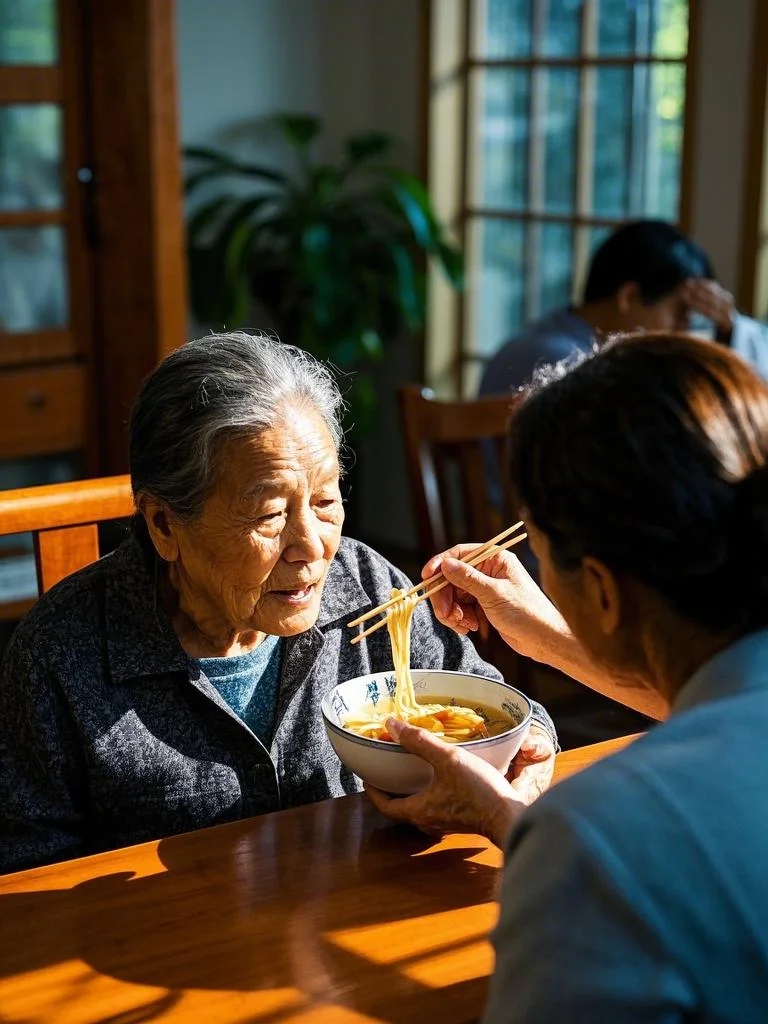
<point>249,684</point>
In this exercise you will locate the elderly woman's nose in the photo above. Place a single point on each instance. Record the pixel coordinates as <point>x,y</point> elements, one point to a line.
<point>304,540</point>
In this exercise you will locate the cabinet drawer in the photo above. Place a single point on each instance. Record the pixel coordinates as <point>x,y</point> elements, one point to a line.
<point>42,411</point>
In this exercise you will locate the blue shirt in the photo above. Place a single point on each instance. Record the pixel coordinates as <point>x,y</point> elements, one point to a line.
<point>637,891</point>
<point>249,684</point>
<point>558,336</point>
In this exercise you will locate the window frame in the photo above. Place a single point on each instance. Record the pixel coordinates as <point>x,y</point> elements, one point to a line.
<point>450,367</point>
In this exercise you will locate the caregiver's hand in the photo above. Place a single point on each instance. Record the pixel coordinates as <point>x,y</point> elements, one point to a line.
<point>499,592</point>
<point>465,795</point>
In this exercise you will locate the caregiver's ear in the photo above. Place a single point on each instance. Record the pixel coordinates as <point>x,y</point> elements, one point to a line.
<point>602,593</point>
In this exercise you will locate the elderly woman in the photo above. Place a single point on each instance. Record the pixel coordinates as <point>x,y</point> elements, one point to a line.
<point>635,891</point>
<point>177,682</point>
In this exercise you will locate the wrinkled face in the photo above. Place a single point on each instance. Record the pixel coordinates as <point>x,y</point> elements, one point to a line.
<point>258,555</point>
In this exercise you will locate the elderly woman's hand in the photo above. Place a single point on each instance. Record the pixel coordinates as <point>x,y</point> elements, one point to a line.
<point>531,770</point>
<point>465,795</point>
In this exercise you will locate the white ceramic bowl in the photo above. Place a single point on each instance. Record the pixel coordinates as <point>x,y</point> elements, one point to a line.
<point>387,765</point>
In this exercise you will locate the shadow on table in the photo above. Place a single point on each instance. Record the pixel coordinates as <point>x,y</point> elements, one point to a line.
<point>358,930</point>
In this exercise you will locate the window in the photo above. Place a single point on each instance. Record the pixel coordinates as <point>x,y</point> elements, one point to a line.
<point>753,285</point>
<point>572,116</point>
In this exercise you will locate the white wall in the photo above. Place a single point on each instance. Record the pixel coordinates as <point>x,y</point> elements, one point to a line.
<point>355,63</point>
<point>721,106</point>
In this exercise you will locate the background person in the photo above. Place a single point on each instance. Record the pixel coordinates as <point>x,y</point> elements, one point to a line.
<point>646,275</point>
<point>643,476</point>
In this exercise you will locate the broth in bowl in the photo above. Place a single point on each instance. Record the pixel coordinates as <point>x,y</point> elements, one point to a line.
<point>442,715</point>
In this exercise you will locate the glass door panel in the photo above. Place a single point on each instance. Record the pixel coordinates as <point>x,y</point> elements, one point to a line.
<point>28,32</point>
<point>31,157</point>
<point>43,252</point>
<point>33,279</point>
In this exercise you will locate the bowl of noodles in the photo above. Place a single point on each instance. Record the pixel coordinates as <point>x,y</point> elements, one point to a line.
<point>486,716</point>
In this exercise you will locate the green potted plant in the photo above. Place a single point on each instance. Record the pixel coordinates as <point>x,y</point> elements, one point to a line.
<point>336,254</point>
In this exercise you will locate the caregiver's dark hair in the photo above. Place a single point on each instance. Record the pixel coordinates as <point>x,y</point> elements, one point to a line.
<point>650,455</point>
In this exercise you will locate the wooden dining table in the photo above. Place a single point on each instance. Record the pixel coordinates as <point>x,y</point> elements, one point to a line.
<point>324,913</point>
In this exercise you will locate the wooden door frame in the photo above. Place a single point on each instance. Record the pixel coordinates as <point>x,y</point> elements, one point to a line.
<point>140,294</point>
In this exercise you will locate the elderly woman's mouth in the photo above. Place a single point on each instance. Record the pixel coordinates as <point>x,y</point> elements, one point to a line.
<point>299,595</point>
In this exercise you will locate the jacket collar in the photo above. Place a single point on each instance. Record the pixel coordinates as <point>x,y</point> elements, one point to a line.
<point>140,637</point>
<point>343,595</point>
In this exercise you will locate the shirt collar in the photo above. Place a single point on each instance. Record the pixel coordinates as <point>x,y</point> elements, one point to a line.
<point>140,638</point>
<point>343,594</point>
<point>741,667</point>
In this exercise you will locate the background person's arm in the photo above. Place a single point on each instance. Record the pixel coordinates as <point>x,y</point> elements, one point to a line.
<point>749,339</point>
<point>745,336</point>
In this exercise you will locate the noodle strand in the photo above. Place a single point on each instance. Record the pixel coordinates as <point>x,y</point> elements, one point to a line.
<point>453,723</point>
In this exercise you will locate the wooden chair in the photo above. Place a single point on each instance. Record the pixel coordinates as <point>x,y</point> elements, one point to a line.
<point>447,445</point>
<point>64,522</point>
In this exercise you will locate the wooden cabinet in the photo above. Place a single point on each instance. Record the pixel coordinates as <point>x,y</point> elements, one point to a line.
<point>92,278</point>
<point>42,411</point>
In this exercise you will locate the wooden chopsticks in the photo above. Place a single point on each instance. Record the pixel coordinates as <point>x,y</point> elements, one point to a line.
<point>438,581</point>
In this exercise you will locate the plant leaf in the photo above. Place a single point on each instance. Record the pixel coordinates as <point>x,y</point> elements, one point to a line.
<point>409,296</point>
<point>371,344</point>
<point>209,302</point>
<point>366,145</point>
<point>235,269</point>
<point>221,165</point>
<point>206,153</point>
<point>451,260</point>
<point>201,219</point>
<point>362,406</point>
<point>412,198</point>
<point>298,129</point>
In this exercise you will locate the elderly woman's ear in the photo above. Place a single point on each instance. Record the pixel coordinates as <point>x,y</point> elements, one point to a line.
<point>160,527</point>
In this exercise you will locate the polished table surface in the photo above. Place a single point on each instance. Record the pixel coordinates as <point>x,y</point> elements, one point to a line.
<point>325,913</point>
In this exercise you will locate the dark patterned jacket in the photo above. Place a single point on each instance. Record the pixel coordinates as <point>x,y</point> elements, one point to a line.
<point>111,735</point>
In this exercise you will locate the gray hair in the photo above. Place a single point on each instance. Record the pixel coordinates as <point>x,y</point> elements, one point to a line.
<point>208,391</point>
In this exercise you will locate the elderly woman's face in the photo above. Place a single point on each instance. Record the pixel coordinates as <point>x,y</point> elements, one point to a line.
<point>258,555</point>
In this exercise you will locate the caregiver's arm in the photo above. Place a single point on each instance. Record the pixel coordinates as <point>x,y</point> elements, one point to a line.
<point>500,593</point>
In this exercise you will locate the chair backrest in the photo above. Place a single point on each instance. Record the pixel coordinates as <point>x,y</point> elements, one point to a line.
<point>63,520</point>
<point>450,447</point>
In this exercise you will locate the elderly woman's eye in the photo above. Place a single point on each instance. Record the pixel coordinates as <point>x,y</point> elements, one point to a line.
<point>270,517</point>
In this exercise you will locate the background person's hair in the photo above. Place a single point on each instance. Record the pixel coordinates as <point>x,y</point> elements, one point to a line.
<point>208,391</point>
<point>651,456</point>
<point>652,253</point>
